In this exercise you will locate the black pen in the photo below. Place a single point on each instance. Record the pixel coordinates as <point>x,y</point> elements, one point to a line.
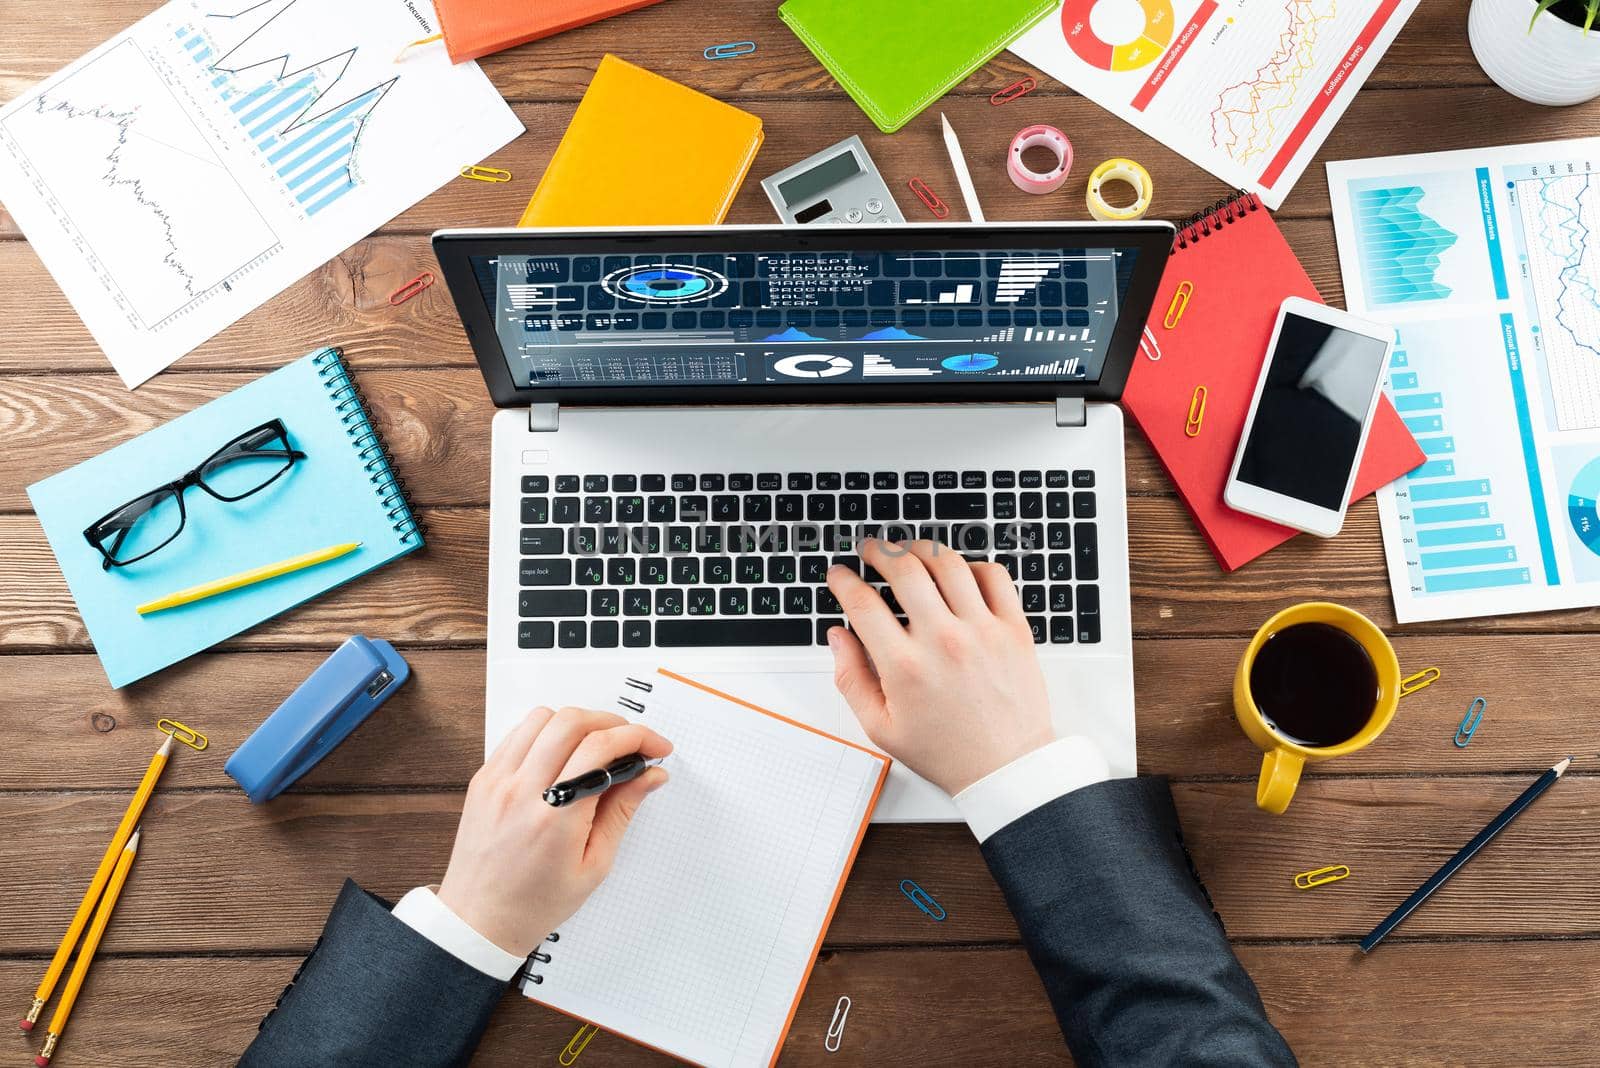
<point>598,781</point>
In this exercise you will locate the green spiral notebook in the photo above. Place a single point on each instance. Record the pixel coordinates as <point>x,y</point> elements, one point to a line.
<point>343,490</point>
<point>895,57</point>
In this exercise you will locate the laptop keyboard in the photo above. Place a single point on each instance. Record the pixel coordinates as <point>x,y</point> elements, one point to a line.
<point>881,301</point>
<point>716,559</point>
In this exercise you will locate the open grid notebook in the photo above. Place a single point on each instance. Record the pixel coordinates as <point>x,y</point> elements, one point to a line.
<point>700,941</point>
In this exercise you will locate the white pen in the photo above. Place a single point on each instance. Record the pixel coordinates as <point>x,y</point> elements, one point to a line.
<point>963,176</point>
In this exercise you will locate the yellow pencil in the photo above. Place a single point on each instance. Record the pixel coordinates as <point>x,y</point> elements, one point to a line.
<point>130,819</point>
<point>248,578</point>
<point>91,942</point>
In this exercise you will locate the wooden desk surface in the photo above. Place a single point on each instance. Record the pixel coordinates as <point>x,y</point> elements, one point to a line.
<point>1502,965</point>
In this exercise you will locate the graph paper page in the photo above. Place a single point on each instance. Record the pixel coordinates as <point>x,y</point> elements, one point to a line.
<point>699,941</point>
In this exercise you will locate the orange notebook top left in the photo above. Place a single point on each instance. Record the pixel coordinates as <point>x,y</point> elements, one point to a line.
<point>474,28</point>
<point>702,938</point>
<point>642,150</point>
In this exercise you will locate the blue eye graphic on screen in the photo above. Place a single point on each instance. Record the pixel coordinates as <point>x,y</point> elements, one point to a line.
<point>665,283</point>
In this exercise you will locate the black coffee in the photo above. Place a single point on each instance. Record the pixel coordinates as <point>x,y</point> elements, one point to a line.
<point>1315,684</point>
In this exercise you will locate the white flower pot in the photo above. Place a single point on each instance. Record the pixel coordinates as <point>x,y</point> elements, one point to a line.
<point>1556,63</point>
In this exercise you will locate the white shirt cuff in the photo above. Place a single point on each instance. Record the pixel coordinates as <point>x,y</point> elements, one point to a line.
<point>423,912</point>
<point>1032,780</point>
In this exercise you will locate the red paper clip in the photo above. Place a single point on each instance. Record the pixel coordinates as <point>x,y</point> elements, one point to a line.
<point>411,288</point>
<point>1014,90</point>
<point>939,208</point>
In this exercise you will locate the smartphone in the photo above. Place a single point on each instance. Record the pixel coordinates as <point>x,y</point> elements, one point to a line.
<point>1308,421</point>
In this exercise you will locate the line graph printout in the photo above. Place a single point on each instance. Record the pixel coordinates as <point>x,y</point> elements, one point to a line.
<point>192,167</point>
<point>1247,89</point>
<point>1485,263</point>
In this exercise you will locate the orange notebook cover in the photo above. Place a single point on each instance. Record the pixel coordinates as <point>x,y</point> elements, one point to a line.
<point>642,150</point>
<point>474,28</point>
<point>1239,270</point>
<point>702,938</point>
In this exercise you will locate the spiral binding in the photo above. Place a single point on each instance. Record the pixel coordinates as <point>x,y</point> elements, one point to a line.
<point>1229,209</point>
<point>376,459</point>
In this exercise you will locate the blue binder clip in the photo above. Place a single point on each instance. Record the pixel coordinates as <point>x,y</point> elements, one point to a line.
<point>321,713</point>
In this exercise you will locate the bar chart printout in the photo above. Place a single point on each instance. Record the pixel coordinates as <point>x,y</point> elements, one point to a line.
<point>1483,261</point>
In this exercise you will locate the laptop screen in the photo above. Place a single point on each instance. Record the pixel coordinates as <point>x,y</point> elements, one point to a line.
<point>805,315</point>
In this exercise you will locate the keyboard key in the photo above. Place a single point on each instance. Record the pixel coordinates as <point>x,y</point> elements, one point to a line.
<point>620,573</point>
<point>742,483</point>
<point>542,541</point>
<point>820,508</point>
<point>757,508</point>
<point>590,573</point>
<point>960,506</point>
<point>1031,536</point>
<point>884,480</point>
<point>683,483</point>
<point>567,483</point>
<point>769,482</point>
<point>851,562</point>
<point>853,507</point>
<point>1005,506</point>
<point>974,480</point>
<point>1038,626</point>
<point>824,626</point>
<point>735,601</point>
<point>702,601</point>
<point>943,480</point>
<point>669,602</point>
<point>800,481</point>
<point>572,634</point>
<point>857,480</point>
<point>596,484</point>
<point>974,538</point>
<point>748,570</point>
<point>636,634</point>
<point>635,602</point>
<point>653,571</point>
<point>1010,564</point>
<point>712,483</point>
<point>708,540</point>
<point>604,602</point>
<point>1087,539</point>
<point>548,604</point>
<point>545,573</point>
<point>1060,599</point>
<point>630,509</point>
<point>886,506</point>
<point>535,483</point>
<point>917,505</point>
<point>603,634</point>
<point>567,509</point>
<point>1033,599</point>
<point>830,480</point>
<point>624,483</point>
<point>680,540</point>
<point>536,635</point>
<point>1060,567</point>
<point>1083,505</point>
<point>1033,568</point>
<point>613,541</point>
<point>790,508</point>
<point>781,569</point>
<point>1058,505</point>
<point>813,569</point>
<point>1083,479</point>
<point>697,633</point>
<point>1059,537</point>
<point>1032,505</point>
<point>1061,630</point>
<point>797,601</point>
<point>653,483</point>
<point>1030,479</point>
<point>724,508</point>
<point>718,569</point>
<point>597,509</point>
<point>827,602</point>
<point>766,601</point>
<point>661,509</point>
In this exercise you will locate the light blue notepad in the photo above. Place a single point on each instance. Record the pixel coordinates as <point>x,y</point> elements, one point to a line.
<point>343,491</point>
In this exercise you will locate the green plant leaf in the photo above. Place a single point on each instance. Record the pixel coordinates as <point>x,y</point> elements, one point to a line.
<point>1593,13</point>
<point>1544,5</point>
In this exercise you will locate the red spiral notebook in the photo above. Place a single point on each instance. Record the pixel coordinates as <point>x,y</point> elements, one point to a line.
<point>1238,269</point>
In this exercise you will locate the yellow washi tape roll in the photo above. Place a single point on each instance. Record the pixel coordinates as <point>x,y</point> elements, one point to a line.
<point>1120,170</point>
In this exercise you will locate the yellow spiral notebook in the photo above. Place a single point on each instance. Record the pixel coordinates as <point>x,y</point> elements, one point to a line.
<point>643,150</point>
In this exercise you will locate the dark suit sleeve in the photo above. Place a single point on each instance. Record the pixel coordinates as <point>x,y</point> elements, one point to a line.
<point>1133,958</point>
<point>375,992</point>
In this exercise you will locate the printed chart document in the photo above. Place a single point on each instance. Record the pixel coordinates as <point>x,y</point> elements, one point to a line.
<point>1247,89</point>
<point>193,166</point>
<point>1487,262</point>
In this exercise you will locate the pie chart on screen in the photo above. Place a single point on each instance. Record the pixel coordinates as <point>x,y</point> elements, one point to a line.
<point>971,361</point>
<point>1583,506</point>
<point>1117,35</point>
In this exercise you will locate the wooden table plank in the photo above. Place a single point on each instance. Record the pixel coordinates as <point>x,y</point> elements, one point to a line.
<point>1404,1005</point>
<point>217,874</point>
<point>1185,718</point>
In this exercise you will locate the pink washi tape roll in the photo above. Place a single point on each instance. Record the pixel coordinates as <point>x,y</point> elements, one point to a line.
<point>1042,137</point>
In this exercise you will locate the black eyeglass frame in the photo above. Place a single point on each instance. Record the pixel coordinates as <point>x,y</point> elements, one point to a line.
<point>194,477</point>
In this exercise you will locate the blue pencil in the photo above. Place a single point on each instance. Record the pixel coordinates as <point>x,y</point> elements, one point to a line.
<point>1438,878</point>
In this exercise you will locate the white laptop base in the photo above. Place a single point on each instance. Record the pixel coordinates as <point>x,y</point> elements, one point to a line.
<point>1091,686</point>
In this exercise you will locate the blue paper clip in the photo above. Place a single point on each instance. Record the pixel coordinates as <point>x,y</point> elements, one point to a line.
<point>921,898</point>
<point>1469,722</point>
<point>730,50</point>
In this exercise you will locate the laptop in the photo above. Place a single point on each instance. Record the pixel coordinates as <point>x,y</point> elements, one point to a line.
<point>696,423</point>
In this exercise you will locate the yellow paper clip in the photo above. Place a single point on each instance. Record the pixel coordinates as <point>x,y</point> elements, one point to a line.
<point>1320,876</point>
<point>486,174</point>
<point>584,1036</point>
<point>1150,346</point>
<point>187,735</point>
<point>1420,681</point>
<point>1197,412</point>
<point>1180,303</point>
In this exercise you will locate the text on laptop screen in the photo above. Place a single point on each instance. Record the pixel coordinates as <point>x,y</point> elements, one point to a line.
<point>810,317</point>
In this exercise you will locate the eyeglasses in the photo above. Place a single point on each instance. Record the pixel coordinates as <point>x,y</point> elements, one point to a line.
<point>248,464</point>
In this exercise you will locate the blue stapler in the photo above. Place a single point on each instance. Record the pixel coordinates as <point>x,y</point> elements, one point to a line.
<point>321,713</point>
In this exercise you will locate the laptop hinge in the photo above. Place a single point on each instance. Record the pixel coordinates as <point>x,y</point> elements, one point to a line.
<point>1071,412</point>
<point>544,418</point>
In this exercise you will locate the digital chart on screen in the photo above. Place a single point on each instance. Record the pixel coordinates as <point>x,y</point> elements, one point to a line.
<point>1484,262</point>
<point>191,167</point>
<point>1248,89</point>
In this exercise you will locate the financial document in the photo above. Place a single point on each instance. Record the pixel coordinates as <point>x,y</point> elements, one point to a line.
<point>1247,89</point>
<point>1487,263</point>
<point>193,166</point>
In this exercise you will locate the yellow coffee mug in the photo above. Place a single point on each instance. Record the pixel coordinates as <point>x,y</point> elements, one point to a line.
<point>1284,759</point>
